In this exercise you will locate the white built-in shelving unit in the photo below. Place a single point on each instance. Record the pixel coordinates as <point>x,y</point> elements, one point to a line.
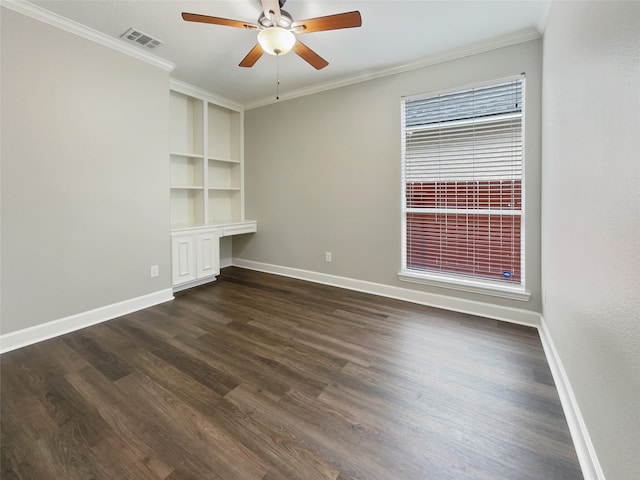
<point>207,197</point>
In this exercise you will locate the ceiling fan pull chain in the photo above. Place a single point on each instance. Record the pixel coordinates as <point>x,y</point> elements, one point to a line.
<point>277,77</point>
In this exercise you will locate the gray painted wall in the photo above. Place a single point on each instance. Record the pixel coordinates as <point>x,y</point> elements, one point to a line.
<point>85,198</point>
<point>322,172</point>
<point>591,217</point>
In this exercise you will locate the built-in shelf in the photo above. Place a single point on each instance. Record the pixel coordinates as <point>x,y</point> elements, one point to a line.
<point>206,182</point>
<point>206,160</point>
<point>187,206</point>
<point>188,155</point>
<point>187,125</point>
<point>226,160</point>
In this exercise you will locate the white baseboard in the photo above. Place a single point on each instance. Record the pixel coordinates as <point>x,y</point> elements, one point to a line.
<point>37,333</point>
<point>194,283</point>
<point>497,312</point>
<point>591,469</point>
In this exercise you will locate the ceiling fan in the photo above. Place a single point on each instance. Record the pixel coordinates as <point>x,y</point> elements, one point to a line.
<point>277,31</point>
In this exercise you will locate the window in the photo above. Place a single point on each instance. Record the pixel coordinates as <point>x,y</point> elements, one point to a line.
<point>462,184</point>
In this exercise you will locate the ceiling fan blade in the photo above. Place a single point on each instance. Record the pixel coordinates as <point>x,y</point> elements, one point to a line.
<point>252,57</point>
<point>308,55</point>
<point>330,22</point>
<point>195,17</point>
<point>269,6</point>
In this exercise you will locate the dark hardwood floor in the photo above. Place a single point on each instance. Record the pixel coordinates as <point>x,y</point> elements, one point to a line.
<point>264,377</point>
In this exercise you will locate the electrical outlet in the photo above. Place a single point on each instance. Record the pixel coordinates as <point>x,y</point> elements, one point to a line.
<point>154,271</point>
<point>327,257</point>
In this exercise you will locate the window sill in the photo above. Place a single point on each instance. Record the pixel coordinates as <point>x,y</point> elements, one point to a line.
<point>466,285</point>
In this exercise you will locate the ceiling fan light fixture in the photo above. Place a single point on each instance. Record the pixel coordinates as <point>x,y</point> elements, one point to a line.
<point>276,40</point>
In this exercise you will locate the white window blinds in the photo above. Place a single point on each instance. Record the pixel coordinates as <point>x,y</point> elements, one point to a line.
<point>462,174</point>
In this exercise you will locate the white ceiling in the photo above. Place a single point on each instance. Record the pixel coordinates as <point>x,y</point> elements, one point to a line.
<point>394,34</point>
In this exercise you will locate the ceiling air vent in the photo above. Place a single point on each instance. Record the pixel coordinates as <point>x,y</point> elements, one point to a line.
<point>140,38</point>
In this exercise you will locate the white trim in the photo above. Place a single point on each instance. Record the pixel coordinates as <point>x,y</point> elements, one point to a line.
<point>194,283</point>
<point>202,94</point>
<point>466,285</point>
<point>37,333</point>
<point>497,312</point>
<point>63,23</point>
<point>591,469</point>
<point>466,51</point>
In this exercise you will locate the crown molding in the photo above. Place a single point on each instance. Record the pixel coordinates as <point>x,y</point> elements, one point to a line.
<point>192,90</point>
<point>454,54</point>
<point>63,23</point>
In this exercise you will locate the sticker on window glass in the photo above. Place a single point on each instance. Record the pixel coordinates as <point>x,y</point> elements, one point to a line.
<point>506,274</point>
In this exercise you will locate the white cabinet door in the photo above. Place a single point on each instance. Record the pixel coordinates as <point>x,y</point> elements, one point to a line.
<point>208,253</point>
<point>195,255</point>
<point>183,258</point>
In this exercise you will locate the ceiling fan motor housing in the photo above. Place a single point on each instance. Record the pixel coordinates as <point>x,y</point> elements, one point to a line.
<point>285,20</point>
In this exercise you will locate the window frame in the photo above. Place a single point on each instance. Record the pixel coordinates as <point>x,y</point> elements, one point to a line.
<point>465,283</point>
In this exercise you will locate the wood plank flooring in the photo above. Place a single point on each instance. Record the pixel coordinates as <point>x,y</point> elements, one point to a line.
<point>264,377</point>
